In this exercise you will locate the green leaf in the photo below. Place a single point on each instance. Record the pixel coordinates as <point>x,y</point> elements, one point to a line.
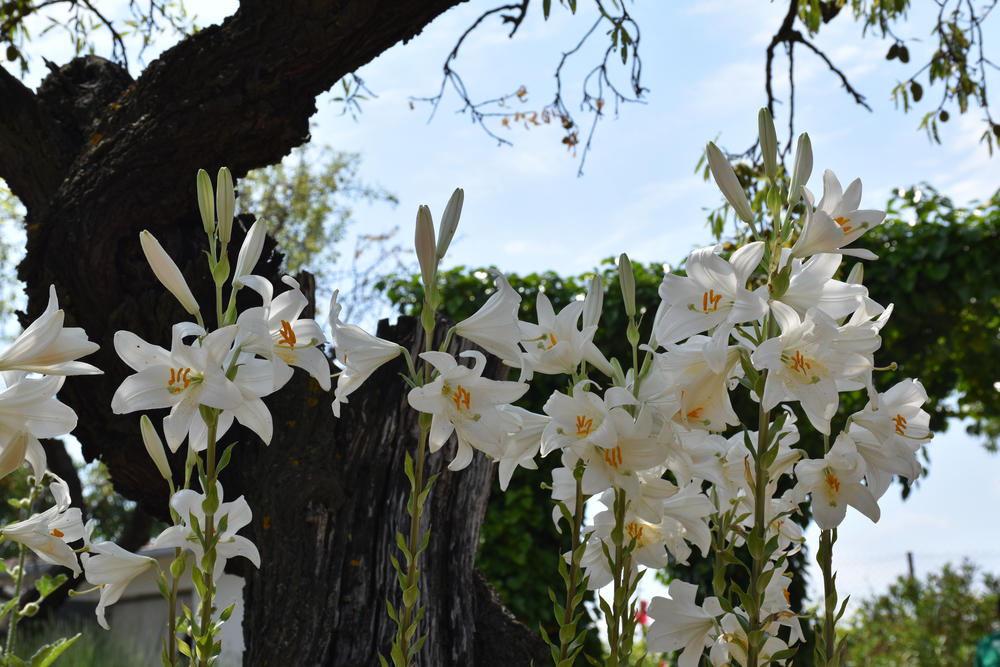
<point>45,656</point>
<point>227,453</point>
<point>46,584</point>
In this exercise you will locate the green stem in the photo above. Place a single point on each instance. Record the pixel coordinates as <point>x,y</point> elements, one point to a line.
<point>172,616</point>
<point>574,569</point>
<point>15,613</point>
<point>210,555</point>
<point>619,577</point>
<point>826,540</point>
<point>758,531</point>
<point>413,543</point>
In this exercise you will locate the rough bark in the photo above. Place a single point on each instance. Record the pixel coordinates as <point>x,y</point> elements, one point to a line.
<point>95,157</point>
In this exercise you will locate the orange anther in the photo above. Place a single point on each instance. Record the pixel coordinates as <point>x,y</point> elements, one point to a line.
<point>799,363</point>
<point>285,335</point>
<point>462,398</point>
<point>832,482</point>
<point>57,533</point>
<point>613,457</point>
<point>842,221</point>
<point>583,425</point>
<point>552,342</point>
<point>710,301</point>
<point>900,424</point>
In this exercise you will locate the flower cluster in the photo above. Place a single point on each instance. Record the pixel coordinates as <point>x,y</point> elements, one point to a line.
<point>659,443</point>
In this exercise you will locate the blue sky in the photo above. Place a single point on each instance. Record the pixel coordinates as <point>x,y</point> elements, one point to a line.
<point>526,209</point>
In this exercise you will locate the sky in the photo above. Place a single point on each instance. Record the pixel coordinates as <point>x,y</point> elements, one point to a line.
<point>527,210</point>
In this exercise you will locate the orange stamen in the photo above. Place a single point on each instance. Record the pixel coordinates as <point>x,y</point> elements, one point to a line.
<point>900,424</point>
<point>583,425</point>
<point>57,533</point>
<point>832,482</point>
<point>462,398</point>
<point>285,335</point>
<point>710,301</point>
<point>613,457</point>
<point>634,531</point>
<point>842,221</point>
<point>552,343</point>
<point>179,380</point>
<point>800,364</point>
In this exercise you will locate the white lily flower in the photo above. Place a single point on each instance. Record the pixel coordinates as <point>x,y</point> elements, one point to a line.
<point>713,293</point>
<point>359,352</point>
<point>283,337</point>
<point>166,271</point>
<point>48,347</point>
<point>28,406</point>
<point>699,371</point>
<point>112,568</point>
<point>811,285</point>
<point>461,400</point>
<point>188,503</point>
<point>495,326</point>
<point>182,379</point>
<point>680,623</point>
<point>836,222</point>
<point>835,482</point>
<point>48,533</point>
<point>520,446</point>
<point>555,345</point>
<point>805,364</point>
<point>582,420</point>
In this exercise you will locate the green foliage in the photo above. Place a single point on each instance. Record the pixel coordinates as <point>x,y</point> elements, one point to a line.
<point>936,622</point>
<point>937,264</point>
<point>93,647</point>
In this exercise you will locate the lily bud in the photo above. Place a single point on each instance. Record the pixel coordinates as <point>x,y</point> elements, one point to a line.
<point>205,204</point>
<point>594,302</point>
<point>249,253</point>
<point>449,221</point>
<point>726,179</point>
<point>856,275</point>
<point>167,272</point>
<point>768,143</point>
<point>225,203</point>
<point>154,446</point>
<point>424,243</point>
<point>802,169</point>
<point>627,280</point>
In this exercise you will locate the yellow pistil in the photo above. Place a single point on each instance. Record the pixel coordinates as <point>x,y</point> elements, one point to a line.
<point>286,336</point>
<point>462,398</point>
<point>613,457</point>
<point>583,425</point>
<point>900,424</point>
<point>710,301</point>
<point>179,380</point>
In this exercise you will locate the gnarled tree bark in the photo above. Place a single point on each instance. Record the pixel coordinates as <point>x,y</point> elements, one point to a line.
<point>96,157</point>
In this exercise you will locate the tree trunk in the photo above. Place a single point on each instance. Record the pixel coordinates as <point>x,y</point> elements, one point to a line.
<point>96,157</point>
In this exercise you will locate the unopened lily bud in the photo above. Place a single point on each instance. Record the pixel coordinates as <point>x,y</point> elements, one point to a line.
<point>225,204</point>
<point>856,275</point>
<point>206,205</point>
<point>802,169</point>
<point>167,272</point>
<point>768,143</point>
<point>594,302</point>
<point>424,243</point>
<point>250,251</point>
<point>154,446</point>
<point>449,221</point>
<point>627,280</point>
<point>726,179</point>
